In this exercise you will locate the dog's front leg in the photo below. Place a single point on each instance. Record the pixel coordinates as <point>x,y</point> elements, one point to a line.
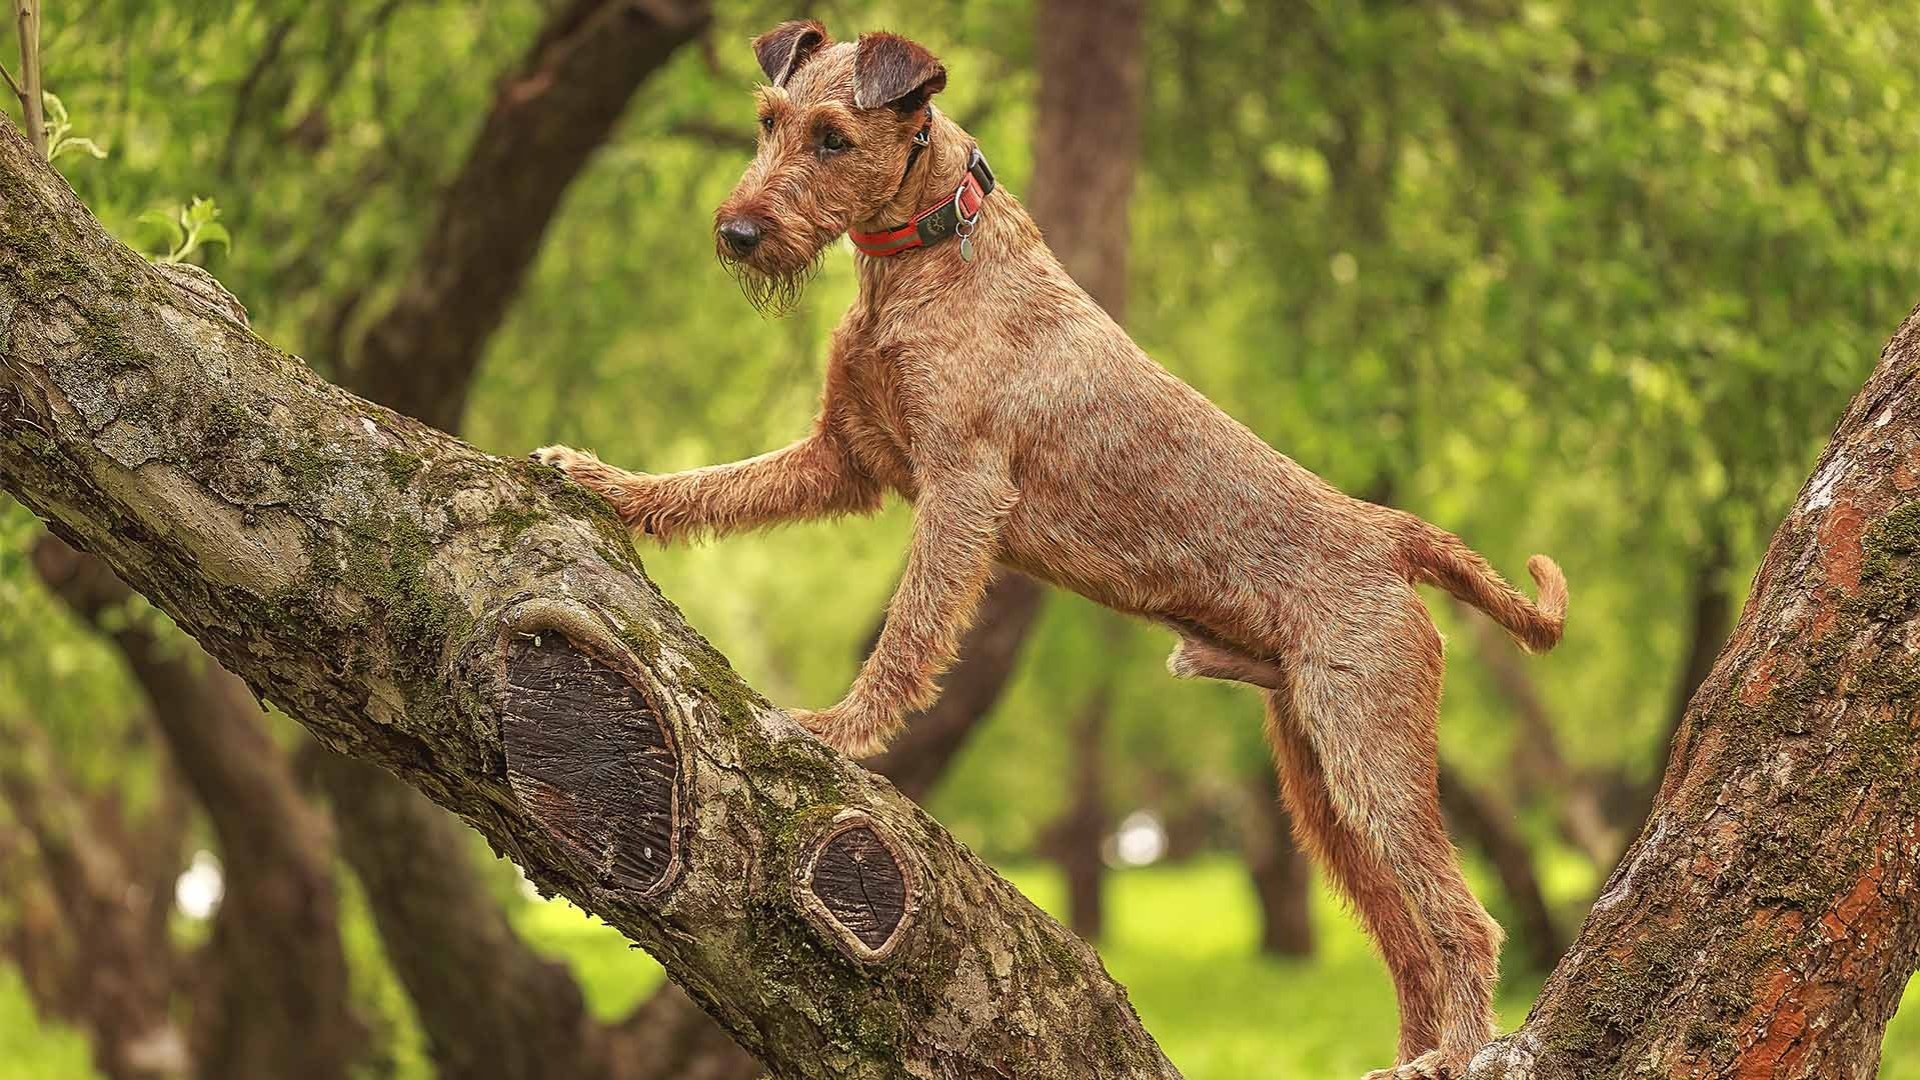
<point>811,478</point>
<point>956,536</point>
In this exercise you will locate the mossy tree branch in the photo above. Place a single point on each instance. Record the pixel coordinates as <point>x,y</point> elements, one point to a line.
<point>482,628</point>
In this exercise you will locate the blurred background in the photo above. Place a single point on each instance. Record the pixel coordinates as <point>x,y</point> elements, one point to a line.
<point>1593,279</point>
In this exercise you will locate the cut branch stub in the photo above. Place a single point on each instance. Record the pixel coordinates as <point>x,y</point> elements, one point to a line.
<point>593,760</point>
<point>856,885</point>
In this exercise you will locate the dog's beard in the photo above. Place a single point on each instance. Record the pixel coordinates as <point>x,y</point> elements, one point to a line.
<point>772,293</point>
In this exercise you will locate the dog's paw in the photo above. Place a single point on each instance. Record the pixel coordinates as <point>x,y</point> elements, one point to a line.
<point>564,458</point>
<point>840,730</point>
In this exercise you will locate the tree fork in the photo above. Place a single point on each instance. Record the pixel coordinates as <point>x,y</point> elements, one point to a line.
<point>398,592</point>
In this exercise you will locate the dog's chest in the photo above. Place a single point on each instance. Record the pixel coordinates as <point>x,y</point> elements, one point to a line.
<point>877,415</point>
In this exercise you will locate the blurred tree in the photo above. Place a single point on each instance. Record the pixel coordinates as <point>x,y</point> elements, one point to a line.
<point>1282,876</point>
<point>269,996</point>
<point>89,892</point>
<point>1086,145</point>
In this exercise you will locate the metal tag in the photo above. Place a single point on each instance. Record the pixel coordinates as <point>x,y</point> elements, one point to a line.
<point>966,249</point>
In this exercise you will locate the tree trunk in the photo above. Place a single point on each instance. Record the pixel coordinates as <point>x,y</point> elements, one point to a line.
<point>271,995</point>
<point>1282,875</point>
<point>1766,921</point>
<point>1086,148</point>
<point>482,628</point>
<point>87,910</point>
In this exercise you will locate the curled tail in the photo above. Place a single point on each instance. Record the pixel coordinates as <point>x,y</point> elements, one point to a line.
<point>1437,557</point>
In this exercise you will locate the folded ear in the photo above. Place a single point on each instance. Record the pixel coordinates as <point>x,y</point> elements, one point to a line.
<point>784,48</point>
<point>890,70</point>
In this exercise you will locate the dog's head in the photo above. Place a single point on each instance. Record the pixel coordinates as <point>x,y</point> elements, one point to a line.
<point>837,123</point>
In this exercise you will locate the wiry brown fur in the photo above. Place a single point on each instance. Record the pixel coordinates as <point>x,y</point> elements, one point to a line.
<point>1027,428</point>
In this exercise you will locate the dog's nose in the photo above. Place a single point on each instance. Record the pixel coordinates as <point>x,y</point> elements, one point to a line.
<point>741,236</point>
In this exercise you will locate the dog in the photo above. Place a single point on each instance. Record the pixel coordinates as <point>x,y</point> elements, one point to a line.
<point>974,378</point>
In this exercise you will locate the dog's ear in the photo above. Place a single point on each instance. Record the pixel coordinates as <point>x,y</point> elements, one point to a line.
<point>890,70</point>
<point>784,48</point>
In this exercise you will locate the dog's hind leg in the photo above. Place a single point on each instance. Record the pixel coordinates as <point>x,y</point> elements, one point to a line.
<point>1366,703</point>
<point>1357,870</point>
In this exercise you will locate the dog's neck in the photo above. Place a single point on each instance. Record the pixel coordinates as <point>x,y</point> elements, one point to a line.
<point>941,168</point>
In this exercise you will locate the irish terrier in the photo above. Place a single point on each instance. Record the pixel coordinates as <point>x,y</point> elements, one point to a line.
<point>975,379</point>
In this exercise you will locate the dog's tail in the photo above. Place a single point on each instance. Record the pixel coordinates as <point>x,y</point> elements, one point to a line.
<point>1437,557</point>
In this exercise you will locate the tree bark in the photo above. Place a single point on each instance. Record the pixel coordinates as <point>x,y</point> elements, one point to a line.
<point>546,120</point>
<point>482,628</point>
<point>271,997</point>
<point>1766,921</point>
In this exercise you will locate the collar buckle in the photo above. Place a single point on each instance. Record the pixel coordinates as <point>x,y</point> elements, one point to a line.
<point>955,215</point>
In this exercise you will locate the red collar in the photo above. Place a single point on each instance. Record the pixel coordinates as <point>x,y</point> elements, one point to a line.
<point>953,216</point>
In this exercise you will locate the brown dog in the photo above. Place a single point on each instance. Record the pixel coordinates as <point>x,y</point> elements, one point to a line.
<point>974,378</point>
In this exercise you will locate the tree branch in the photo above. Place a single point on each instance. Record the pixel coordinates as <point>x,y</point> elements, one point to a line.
<point>32,108</point>
<point>546,120</point>
<point>482,628</point>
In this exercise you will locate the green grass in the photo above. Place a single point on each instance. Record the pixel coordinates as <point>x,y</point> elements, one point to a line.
<point>30,1050</point>
<point>1181,938</point>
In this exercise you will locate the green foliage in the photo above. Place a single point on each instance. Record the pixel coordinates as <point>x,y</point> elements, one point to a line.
<point>180,232</point>
<point>60,137</point>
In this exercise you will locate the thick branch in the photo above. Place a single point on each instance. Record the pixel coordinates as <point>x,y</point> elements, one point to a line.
<point>527,1017</point>
<point>481,627</point>
<point>546,120</point>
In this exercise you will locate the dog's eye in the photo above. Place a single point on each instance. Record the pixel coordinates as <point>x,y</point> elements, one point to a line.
<point>766,123</point>
<point>833,142</point>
